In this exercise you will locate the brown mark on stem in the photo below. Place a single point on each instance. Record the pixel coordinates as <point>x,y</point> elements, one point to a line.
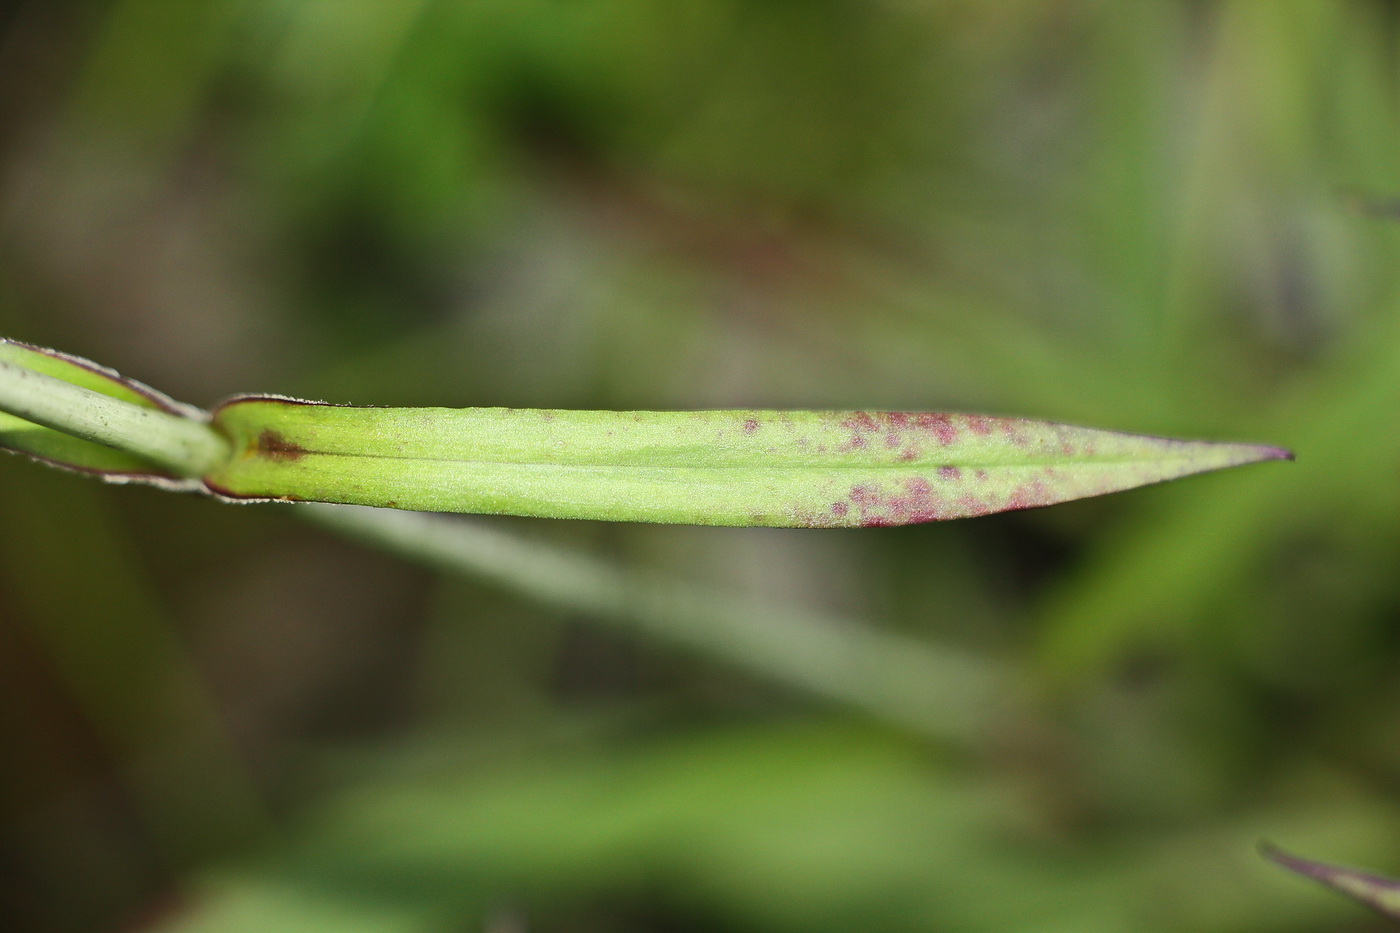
<point>274,446</point>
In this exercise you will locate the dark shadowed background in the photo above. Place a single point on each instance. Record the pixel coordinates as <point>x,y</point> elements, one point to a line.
<point>1167,217</point>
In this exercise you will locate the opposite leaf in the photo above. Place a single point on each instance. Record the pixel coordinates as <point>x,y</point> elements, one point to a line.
<point>73,453</point>
<point>790,469</point>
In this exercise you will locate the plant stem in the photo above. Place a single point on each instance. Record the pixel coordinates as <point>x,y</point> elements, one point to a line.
<point>185,445</point>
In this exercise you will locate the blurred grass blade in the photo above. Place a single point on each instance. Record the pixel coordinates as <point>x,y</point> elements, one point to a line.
<point>931,690</point>
<point>1379,893</point>
<point>775,468</point>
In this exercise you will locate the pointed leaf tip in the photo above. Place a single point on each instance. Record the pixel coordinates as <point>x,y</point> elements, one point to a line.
<point>1380,893</point>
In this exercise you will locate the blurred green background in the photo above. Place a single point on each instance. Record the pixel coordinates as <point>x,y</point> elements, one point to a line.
<point>1169,217</point>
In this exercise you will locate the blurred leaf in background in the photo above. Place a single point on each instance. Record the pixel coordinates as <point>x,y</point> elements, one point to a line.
<point>1125,215</point>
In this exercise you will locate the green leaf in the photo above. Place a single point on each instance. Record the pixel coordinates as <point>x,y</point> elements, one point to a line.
<point>65,450</point>
<point>1379,893</point>
<point>791,469</point>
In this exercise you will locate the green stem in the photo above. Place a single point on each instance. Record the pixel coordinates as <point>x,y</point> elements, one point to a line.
<point>190,447</point>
